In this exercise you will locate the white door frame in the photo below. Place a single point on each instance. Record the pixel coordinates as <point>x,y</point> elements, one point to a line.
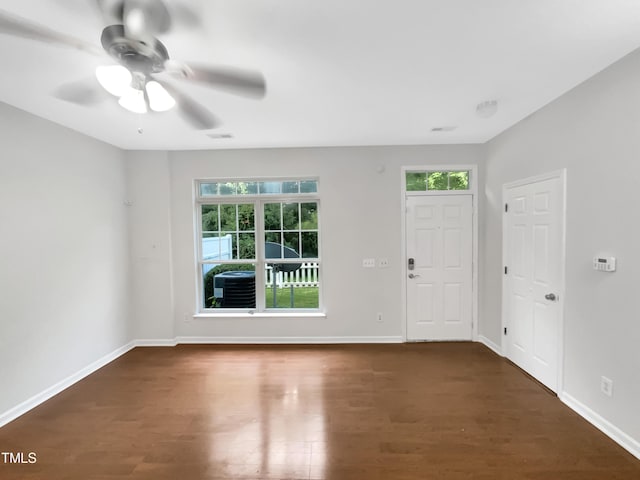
<point>561,175</point>
<point>473,191</point>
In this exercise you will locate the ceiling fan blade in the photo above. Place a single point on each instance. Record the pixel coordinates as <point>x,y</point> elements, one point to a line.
<point>247,83</point>
<point>193,112</point>
<point>185,15</point>
<point>145,18</point>
<point>20,27</point>
<point>158,15</point>
<point>82,92</point>
<point>111,10</point>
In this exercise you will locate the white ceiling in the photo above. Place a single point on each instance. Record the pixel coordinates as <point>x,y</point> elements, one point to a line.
<point>339,72</point>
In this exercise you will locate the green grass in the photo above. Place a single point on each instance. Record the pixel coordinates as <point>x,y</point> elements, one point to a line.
<point>303,297</point>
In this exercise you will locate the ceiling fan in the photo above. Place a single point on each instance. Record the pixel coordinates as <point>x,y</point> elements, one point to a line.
<point>138,78</point>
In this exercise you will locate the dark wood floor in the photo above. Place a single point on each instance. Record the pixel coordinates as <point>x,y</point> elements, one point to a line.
<point>365,412</point>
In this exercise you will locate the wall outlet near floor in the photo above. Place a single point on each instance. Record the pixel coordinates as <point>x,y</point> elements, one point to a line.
<point>383,262</point>
<point>606,386</point>
<point>379,317</point>
<point>369,262</point>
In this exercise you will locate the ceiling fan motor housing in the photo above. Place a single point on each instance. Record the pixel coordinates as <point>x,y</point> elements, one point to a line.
<point>144,56</point>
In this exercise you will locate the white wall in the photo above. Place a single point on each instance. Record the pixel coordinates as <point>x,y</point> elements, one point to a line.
<point>150,241</point>
<point>594,132</point>
<point>360,217</point>
<point>63,254</point>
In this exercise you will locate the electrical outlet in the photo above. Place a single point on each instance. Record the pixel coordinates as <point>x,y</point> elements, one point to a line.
<point>369,262</point>
<point>606,386</point>
<point>379,317</point>
<point>383,262</point>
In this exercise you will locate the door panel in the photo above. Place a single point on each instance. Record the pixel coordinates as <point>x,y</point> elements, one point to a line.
<point>453,248</point>
<point>439,293</point>
<point>426,303</point>
<point>540,254</point>
<point>518,332</point>
<point>453,297</point>
<point>542,329</point>
<point>427,238</point>
<point>534,224</point>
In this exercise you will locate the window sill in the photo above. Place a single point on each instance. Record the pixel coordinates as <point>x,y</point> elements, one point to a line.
<point>204,316</point>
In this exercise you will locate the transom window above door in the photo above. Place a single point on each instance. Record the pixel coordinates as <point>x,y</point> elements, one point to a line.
<point>437,180</point>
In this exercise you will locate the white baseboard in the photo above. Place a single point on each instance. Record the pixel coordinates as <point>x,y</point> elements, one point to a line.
<point>485,341</point>
<point>624,440</point>
<point>160,342</point>
<point>286,340</point>
<point>24,407</point>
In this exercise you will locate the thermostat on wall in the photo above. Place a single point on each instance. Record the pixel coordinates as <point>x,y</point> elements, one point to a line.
<point>604,264</point>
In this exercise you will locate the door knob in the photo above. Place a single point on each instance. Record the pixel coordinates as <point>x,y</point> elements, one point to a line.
<point>413,275</point>
<point>551,296</point>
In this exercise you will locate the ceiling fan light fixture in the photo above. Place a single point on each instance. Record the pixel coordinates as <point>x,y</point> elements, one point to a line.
<point>159,98</point>
<point>133,100</point>
<point>135,21</point>
<point>115,79</point>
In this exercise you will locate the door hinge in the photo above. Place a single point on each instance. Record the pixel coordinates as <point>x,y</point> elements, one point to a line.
<point>506,270</point>
<point>505,330</point>
<point>506,207</point>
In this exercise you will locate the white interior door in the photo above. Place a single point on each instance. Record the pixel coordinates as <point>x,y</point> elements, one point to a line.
<point>439,236</point>
<point>534,223</point>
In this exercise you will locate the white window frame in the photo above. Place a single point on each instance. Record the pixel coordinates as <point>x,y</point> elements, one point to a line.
<point>258,200</point>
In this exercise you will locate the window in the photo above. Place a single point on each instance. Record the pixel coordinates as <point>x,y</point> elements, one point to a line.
<point>258,245</point>
<point>439,180</point>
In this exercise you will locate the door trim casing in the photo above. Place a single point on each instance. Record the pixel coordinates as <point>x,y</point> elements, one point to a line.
<point>561,175</point>
<point>473,191</point>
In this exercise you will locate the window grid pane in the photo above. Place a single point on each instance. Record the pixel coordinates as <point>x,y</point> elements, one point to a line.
<point>309,216</point>
<point>437,181</point>
<point>208,189</point>
<point>299,288</point>
<point>416,181</point>
<point>291,216</point>
<point>229,286</point>
<point>228,188</point>
<point>309,241</point>
<point>272,216</point>
<point>309,186</point>
<point>458,180</point>
<point>247,188</point>
<point>266,188</point>
<point>290,187</point>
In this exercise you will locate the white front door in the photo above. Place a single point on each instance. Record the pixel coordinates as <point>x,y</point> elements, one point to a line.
<point>534,220</point>
<point>439,267</point>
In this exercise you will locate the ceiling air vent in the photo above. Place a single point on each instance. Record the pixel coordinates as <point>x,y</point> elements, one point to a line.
<point>219,136</point>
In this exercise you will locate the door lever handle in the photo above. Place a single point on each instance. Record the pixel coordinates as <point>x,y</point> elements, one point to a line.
<point>413,275</point>
<point>551,296</point>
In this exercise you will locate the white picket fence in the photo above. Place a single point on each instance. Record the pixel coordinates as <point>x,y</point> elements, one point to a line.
<point>305,276</point>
